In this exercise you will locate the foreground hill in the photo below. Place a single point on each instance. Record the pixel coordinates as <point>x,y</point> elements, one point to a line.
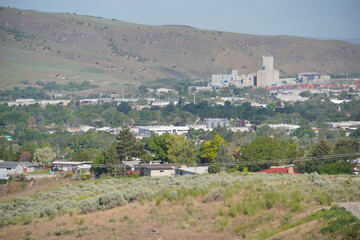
<point>67,47</point>
<point>218,206</point>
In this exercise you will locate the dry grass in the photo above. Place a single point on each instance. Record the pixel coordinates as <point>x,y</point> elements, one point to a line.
<point>245,207</point>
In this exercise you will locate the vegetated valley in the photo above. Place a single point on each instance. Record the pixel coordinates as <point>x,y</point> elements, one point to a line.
<point>210,206</point>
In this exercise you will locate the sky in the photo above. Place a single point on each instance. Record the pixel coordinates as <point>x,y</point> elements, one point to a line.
<point>323,19</point>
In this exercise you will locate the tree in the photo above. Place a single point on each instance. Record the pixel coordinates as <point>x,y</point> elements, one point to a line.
<point>143,90</point>
<point>180,150</point>
<point>124,107</point>
<point>224,156</point>
<point>209,149</point>
<point>317,152</point>
<point>11,156</point>
<point>355,134</point>
<point>303,131</point>
<point>43,156</point>
<point>3,153</point>
<point>305,94</point>
<point>265,131</point>
<point>127,147</point>
<point>111,156</point>
<point>336,168</point>
<point>158,146</point>
<point>24,156</point>
<point>262,149</point>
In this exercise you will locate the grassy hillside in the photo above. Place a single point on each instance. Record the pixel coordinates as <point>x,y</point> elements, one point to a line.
<point>222,206</point>
<point>66,47</point>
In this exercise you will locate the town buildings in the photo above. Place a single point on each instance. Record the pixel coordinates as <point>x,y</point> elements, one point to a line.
<point>263,78</point>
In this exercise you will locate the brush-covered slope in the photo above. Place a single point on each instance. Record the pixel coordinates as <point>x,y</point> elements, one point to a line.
<point>67,47</point>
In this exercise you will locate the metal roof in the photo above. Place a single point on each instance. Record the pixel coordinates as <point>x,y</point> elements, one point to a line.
<point>12,164</point>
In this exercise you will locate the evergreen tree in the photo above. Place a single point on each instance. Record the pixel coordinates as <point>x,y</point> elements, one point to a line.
<point>111,155</point>
<point>3,153</point>
<point>11,155</point>
<point>321,149</point>
<point>224,156</point>
<point>127,147</point>
<point>124,107</point>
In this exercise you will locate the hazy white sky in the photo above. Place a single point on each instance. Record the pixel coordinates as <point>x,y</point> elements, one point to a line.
<point>330,19</point>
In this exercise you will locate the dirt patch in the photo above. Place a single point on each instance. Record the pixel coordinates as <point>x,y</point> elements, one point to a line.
<point>19,189</point>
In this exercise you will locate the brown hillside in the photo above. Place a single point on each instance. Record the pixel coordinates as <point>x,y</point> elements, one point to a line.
<point>54,46</point>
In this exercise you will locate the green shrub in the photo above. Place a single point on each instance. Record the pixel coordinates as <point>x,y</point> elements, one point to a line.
<point>214,168</point>
<point>324,198</point>
<point>271,198</point>
<point>216,194</point>
<point>3,181</point>
<point>62,231</point>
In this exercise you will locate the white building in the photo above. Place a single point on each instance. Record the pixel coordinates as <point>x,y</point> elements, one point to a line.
<point>217,122</point>
<point>13,168</point>
<point>263,78</point>
<point>267,75</point>
<point>160,130</point>
<point>192,170</point>
<point>223,80</point>
<point>75,167</point>
<point>287,127</point>
<point>157,170</point>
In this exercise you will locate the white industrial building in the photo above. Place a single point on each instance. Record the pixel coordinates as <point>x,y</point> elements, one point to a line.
<point>160,130</point>
<point>224,80</point>
<point>263,78</point>
<point>267,75</point>
<point>216,122</point>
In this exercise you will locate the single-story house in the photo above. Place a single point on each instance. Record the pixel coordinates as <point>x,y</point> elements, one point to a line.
<point>157,170</point>
<point>13,168</point>
<point>287,169</point>
<point>192,170</point>
<point>75,167</point>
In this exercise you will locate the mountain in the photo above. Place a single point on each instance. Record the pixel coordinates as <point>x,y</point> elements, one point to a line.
<point>65,47</point>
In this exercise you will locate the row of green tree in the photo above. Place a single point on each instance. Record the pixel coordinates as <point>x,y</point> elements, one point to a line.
<point>260,153</point>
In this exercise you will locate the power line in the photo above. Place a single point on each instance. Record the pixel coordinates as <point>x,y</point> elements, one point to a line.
<point>272,161</point>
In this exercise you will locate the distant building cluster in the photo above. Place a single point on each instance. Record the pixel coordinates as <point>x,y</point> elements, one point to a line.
<point>265,77</point>
<point>312,77</point>
<point>262,78</point>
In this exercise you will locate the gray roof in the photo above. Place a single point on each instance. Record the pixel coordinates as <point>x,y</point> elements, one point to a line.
<point>158,166</point>
<point>13,165</point>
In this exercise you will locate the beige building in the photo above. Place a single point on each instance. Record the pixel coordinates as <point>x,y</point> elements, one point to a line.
<point>267,75</point>
<point>157,170</point>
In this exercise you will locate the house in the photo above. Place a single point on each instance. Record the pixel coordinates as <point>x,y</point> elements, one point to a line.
<point>14,168</point>
<point>157,170</point>
<point>287,169</point>
<point>75,167</point>
<point>192,170</point>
